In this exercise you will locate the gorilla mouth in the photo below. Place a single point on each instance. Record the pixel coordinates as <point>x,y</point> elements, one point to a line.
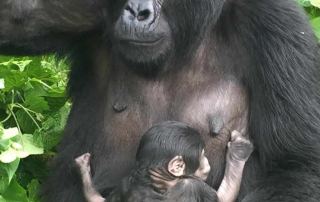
<point>136,42</point>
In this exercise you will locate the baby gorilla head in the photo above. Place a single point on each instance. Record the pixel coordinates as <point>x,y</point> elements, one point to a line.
<point>173,150</point>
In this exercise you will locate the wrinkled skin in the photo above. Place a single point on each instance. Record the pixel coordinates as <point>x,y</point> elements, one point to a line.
<point>217,65</point>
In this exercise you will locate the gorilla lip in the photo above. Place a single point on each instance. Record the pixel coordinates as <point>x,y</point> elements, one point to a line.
<point>141,42</point>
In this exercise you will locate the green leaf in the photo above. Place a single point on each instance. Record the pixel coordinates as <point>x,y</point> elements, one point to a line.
<point>29,146</point>
<point>15,193</point>
<point>22,64</point>
<point>52,128</point>
<point>1,84</point>
<point>10,168</point>
<point>38,104</point>
<point>4,180</point>
<point>2,199</point>
<point>26,123</point>
<point>315,3</point>
<point>9,133</point>
<point>33,188</point>
<point>35,90</point>
<point>8,156</point>
<point>12,76</point>
<point>316,26</point>
<point>4,145</point>
<point>35,70</point>
<point>305,3</point>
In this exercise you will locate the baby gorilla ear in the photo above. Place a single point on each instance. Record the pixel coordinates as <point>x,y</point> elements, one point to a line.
<point>177,166</point>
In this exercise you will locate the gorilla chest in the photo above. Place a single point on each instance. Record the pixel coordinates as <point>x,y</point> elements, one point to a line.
<point>208,106</point>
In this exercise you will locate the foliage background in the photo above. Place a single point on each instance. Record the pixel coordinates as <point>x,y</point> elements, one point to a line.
<point>33,113</point>
<point>313,9</point>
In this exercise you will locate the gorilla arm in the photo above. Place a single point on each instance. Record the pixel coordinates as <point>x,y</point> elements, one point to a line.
<point>40,26</point>
<point>282,75</point>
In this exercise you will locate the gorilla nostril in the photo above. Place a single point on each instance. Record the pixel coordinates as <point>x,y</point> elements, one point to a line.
<point>143,15</point>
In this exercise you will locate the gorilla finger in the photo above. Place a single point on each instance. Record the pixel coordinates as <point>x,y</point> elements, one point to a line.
<point>235,134</point>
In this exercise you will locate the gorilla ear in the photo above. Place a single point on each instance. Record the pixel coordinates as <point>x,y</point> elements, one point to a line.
<point>177,166</point>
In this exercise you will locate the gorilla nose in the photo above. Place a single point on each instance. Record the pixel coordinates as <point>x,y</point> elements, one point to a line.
<point>140,12</point>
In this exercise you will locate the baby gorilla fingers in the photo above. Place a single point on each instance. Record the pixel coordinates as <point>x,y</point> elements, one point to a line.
<point>240,147</point>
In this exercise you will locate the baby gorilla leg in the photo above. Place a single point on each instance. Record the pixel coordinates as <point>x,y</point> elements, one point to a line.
<point>239,151</point>
<point>83,163</point>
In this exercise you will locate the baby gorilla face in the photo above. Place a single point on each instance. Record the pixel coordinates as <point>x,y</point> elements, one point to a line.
<point>204,168</point>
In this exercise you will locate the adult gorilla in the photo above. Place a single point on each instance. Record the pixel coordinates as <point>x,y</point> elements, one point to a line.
<point>218,65</point>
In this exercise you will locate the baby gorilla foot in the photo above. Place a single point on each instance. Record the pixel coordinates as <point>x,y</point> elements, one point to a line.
<point>240,147</point>
<point>83,163</point>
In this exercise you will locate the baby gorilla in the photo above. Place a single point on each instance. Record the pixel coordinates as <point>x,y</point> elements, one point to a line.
<point>171,166</point>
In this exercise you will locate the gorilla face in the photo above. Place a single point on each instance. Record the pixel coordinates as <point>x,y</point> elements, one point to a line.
<point>141,32</point>
<point>147,32</point>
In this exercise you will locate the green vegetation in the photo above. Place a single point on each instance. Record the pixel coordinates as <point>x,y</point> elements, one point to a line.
<point>33,112</point>
<point>313,9</point>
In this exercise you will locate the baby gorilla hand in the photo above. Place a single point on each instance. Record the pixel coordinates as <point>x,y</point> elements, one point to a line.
<point>83,163</point>
<point>240,147</point>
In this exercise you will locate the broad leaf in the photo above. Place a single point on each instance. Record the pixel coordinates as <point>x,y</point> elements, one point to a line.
<point>315,3</point>
<point>316,25</point>
<point>10,168</point>
<point>8,156</point>
<point>15,193</point>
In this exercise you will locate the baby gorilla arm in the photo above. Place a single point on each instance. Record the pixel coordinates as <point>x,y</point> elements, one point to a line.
<point>239,150</point>
<point>83,162</point>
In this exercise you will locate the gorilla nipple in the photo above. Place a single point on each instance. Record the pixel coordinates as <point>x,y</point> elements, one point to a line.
<point>215,124</point>
<point>119,107</point>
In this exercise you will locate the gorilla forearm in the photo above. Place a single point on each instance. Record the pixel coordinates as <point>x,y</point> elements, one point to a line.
<point>33,27</point>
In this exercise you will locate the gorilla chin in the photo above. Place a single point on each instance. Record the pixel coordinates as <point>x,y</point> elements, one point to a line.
<point>146,58</point>
<point>144,51</point>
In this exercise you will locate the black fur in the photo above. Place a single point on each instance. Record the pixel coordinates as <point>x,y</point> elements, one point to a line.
<point>265,46</point>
